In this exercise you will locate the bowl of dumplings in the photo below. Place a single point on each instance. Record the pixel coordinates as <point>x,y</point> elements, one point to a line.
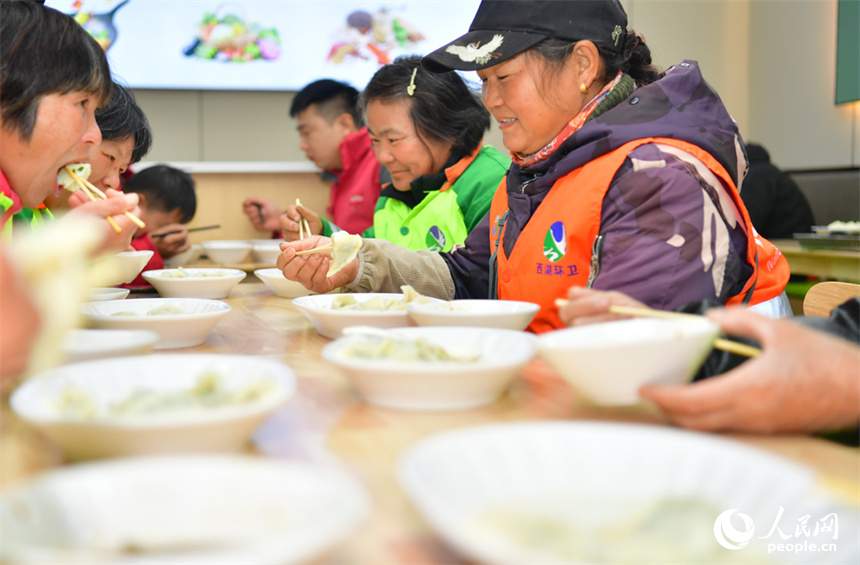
<point>194,283</point>
<point>179,322</point>
<point>431,369</point>
<point>332,313</point>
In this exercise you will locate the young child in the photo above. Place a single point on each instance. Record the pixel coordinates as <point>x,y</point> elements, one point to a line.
<point>167,202</point>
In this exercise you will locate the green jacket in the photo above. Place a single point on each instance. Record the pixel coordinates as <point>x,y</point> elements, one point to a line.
<point>444,215</point>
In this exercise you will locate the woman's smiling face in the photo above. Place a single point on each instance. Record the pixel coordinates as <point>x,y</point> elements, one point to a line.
<point>65,129</point>
<point>528,117</point>
<point>398,146</point>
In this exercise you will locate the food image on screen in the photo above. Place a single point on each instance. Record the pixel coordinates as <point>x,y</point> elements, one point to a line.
<point>230,38</point>
<point>372,37</point>
<point>99,25</point>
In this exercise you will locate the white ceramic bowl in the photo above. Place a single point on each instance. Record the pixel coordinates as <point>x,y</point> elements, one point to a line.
<point>280,285</point>
<point>587,492</point>
<point>448,385</point>
<point>84,345</point>
<point>176,330</point>
<point>501,314</point>
<point>609,362</point>
<point>108,382</point>
<point>266,251</point>
<point>181,510</point>
<point>331,323</point>
<point>195,283</point>
<point>121,268</point>
<point>99,294</point>
<point>188,256</point>
<point>227,252</point>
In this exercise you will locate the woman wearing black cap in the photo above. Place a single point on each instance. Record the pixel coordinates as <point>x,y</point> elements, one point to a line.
<point>623,178</point>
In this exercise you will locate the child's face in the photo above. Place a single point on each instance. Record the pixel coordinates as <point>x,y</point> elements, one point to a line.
<point>157,219</point>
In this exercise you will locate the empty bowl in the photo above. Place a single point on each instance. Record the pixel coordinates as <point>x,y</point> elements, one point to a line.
<point>404,369</point>
<point>227,252</point>
<point>194,283</point>
<point>280,285</point>
<point>154,403</point>
<point>266,251</point>
<point>181,509</point>
<point>180,322</point>
<point>121,268</point>
<point>83,345</point>
<point>331,322</point>
<point>188,256</point>
<point>501,314</point>
<point>107,293</point>
<point>609,362</point>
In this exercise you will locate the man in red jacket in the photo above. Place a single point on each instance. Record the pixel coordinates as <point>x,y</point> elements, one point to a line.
<point>335,139</point>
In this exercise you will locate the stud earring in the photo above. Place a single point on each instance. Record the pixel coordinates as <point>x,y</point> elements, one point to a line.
<point>582,88</point>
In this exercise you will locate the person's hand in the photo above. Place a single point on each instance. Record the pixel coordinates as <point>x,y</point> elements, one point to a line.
<point>310,269</point>
<point>263,213</point>
<point>804,380</point>
<point>175,239</point>
<point>588,306</point>
<point>114,206</point>
<point>290,222</point>
<point>20,320</point>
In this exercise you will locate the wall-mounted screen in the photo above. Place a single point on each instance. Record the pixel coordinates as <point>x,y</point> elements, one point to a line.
<point>262,45</point>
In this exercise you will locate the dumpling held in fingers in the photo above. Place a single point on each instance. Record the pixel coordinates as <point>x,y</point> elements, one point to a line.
<point>345,248</point>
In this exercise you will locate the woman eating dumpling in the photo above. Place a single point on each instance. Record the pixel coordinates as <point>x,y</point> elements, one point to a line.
<point>54,77</point>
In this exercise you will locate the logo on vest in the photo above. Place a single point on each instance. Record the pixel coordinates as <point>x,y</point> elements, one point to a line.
<point>555,242</point>
<point>435,239</point>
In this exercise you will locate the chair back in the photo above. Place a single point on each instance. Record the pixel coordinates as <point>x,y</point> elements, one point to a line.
<point>825,296</point>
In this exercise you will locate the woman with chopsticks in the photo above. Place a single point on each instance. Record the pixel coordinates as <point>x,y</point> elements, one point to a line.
<point>624,178</point>
<point>53,77</point>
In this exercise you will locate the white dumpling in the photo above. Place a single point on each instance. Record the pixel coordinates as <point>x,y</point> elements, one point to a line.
<point>345,248</point>
<point>64,179</point>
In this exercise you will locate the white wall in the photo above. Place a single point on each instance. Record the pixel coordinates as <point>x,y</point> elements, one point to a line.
<point>772,61</point>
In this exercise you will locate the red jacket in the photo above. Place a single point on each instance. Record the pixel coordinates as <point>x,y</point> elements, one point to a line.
<point>145,243</point>
<point>356,190</point>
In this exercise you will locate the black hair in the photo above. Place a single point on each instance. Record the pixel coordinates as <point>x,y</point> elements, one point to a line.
<point>332,99</point>
<point>166,189</point>
<point>442,105</point>
<point>634,59</point>
<point>122,118</point>
<point>43,51</point>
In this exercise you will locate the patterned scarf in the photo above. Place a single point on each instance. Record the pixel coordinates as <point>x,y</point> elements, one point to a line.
<point>572,126</point>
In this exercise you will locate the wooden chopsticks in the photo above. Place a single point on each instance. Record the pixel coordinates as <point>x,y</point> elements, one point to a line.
<point>88,188</point>
<point>304,226</point>
<point>316,250</point>
<point>201,228</point>
<point>719,343</point>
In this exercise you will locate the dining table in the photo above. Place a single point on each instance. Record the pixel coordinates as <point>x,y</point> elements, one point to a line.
<point>326,421</point>
<point>830,264</point>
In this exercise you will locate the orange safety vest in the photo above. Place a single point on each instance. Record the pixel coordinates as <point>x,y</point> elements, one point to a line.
<point>551,256</point>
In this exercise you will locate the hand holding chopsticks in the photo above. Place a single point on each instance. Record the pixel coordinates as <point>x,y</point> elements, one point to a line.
<point>304,226</point>
<point>91,191</point>
<point>719,343</point>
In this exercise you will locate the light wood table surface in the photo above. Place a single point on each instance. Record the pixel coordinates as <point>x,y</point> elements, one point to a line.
<point>327,421</point>
<point>843,265</point>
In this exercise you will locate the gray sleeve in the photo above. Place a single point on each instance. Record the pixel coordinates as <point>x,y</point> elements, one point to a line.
<point>385,267</point>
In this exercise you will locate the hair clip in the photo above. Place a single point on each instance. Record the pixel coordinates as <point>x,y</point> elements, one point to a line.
<point>410,90</point>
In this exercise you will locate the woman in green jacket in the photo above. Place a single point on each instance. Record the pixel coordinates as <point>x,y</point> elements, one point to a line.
<point>427,131</point>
